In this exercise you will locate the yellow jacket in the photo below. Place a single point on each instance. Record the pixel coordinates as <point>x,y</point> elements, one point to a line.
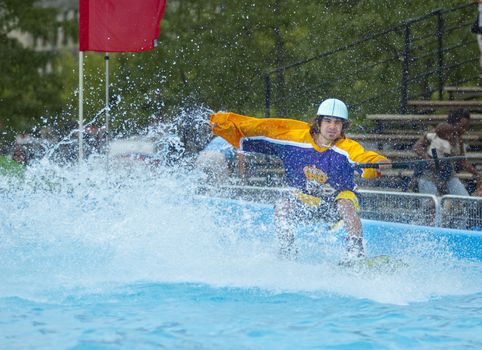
<point>280,136</point>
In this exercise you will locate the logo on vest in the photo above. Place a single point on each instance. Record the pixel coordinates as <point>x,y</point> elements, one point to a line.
<point>317,181</point>
<point>312,173</point>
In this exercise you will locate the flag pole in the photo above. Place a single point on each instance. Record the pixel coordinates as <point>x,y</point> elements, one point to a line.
<point>107,107</point>
<point>81,105</point>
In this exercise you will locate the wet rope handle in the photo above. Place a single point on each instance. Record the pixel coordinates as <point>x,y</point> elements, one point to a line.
<point>411,163</point>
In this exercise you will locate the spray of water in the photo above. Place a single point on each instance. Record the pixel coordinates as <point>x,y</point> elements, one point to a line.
<point>91,226</point>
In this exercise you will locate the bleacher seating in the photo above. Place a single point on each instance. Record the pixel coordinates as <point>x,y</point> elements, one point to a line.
<point>464,92</point>
<point>432,105</point>
<point>394,135</point>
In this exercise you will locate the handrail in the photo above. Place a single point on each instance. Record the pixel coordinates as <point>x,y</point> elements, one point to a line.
<point>439,212</point>
<point>363,39</point>
<point>328,53</point>
<point>410,52</point>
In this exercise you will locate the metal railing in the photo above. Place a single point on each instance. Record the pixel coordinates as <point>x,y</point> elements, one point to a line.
<point>457,212</point>
<point>461,212</point>
<point>409,208</point>
<point>414,59</point>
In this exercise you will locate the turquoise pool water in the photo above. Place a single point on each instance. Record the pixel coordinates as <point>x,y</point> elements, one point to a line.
<point>133,258</point>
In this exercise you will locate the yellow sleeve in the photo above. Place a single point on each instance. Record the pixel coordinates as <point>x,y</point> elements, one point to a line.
<point>233,127</point>
<point>358,155</point>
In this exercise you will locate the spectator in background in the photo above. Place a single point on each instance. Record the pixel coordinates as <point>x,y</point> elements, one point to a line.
<point>477,29</point>
<point>48,136</point>
<point>8,165</point>
<point>93,139</point>
<point>14,164</point>
<point>447,140</point>
<point>19,154</point>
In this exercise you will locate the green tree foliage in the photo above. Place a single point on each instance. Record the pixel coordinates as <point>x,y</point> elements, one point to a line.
<point>29,84</point>
<point>373,68</point>
<point>216,53</point>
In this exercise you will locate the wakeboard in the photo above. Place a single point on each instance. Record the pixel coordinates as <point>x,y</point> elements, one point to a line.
<point>382,263</point>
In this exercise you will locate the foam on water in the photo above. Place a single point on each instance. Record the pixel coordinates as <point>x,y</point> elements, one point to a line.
<point>88,228</point>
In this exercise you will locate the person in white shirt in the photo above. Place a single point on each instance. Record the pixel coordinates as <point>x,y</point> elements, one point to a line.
<point>447,141</point>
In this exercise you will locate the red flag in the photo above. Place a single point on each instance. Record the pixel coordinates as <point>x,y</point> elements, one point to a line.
<point>119,25</point>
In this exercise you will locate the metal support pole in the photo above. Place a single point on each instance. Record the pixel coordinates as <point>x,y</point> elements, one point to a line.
<point>405,70</point>
<point>440,63</point>
<point>81,106</point>
<point>267,95</point>
<point>107,106</point>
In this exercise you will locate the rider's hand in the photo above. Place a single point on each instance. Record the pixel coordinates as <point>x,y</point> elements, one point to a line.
<point>383,164</point>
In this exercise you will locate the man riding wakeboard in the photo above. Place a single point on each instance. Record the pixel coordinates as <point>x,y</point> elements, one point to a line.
<point>319,163</point>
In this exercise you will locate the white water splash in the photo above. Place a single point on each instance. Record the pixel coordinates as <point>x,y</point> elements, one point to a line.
<point>87,227</point>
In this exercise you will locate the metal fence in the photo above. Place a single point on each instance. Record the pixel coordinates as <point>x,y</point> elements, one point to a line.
<point>461,212</point>
<point>410,208</point>
<point>456,212</point>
